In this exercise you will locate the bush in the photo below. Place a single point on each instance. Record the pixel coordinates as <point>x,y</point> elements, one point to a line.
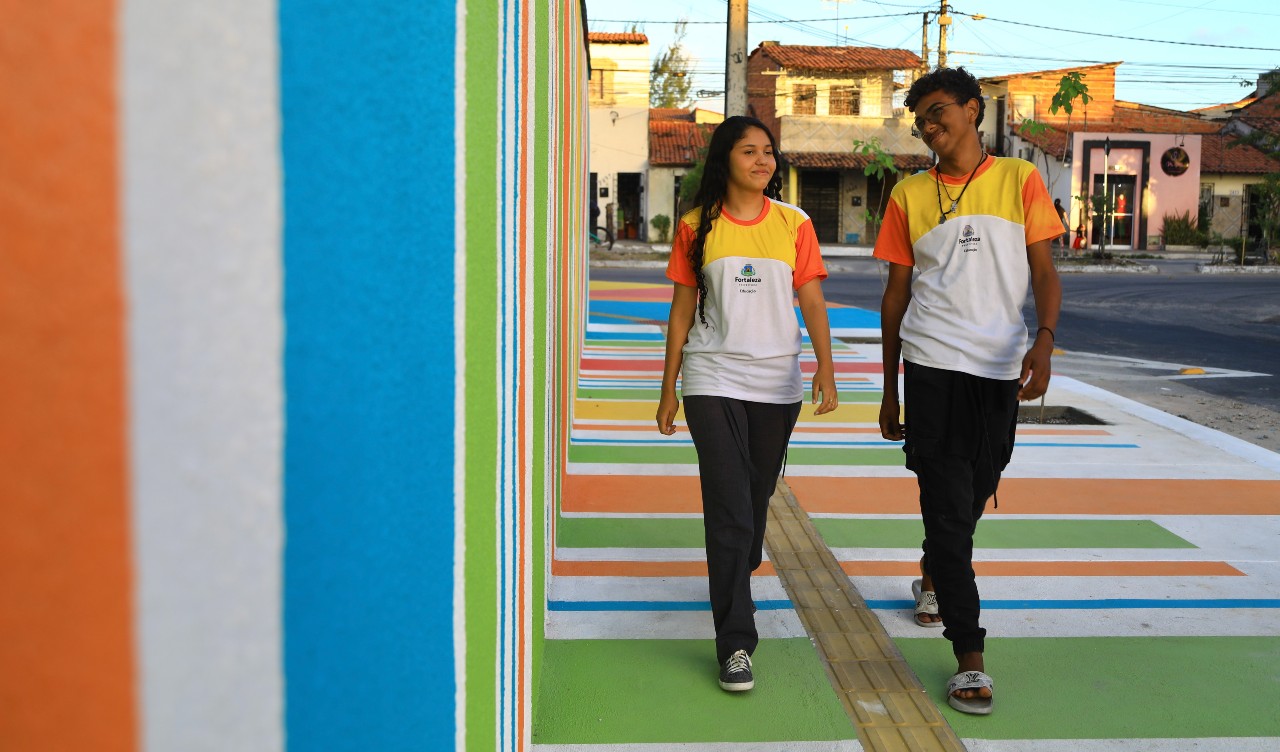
<point>1181,229</point>
<point>661,223</point>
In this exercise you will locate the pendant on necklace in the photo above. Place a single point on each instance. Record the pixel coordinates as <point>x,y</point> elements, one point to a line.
<point>953,206</point>
<point>942,218</point>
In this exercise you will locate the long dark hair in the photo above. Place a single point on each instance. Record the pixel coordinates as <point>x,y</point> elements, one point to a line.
<point>715,184</point>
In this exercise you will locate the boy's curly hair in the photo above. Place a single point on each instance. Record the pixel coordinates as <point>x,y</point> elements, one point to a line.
<point>957,82</point>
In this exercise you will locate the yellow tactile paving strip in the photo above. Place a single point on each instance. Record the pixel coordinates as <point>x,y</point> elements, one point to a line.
<point>880,692</point>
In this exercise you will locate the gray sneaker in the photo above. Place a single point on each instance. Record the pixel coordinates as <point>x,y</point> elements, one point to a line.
<point>735,674</point>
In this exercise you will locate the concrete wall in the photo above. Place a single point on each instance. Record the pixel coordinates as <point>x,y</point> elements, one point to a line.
<point>619,124</point>
<point>291,295</point>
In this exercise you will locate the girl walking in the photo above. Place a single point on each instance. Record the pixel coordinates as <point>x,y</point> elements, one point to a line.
<point>739,258</point>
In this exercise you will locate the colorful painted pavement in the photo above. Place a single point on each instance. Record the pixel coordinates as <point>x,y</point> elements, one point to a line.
<point>1129,576</point>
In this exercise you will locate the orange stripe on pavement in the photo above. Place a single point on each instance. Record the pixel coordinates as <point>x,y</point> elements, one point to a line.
<point>1051,496</point>
<point>642,569</point>
<point>646,494</point>
<point>66,657</point>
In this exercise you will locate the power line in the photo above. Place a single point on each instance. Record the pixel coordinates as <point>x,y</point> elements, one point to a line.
<point>1116,36</point>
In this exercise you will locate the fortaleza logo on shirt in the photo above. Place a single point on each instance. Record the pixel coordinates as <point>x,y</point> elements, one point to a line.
<point>969,239</point>
<point>748,274</point>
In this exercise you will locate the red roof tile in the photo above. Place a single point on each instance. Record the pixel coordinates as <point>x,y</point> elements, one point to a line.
<point>848,161</point>
<point>604,37</point>
<point>1217,155</point>
<point>839,59</point>
<point>677,142</point>
<point>1263,107</point>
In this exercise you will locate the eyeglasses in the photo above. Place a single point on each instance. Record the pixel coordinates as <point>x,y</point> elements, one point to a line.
<point>933,115</point>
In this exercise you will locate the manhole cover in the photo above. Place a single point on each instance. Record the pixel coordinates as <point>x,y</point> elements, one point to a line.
<point>1057,415</point>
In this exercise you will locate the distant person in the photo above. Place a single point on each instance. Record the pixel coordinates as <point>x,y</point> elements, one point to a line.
<point>1061,240</point>
<point>738,259</point>
<point>976,227</point>
<point>595,215</point>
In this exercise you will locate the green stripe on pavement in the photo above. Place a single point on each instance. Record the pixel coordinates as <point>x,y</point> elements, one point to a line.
<point>1115,687</point>
<point>907,533</point>
<point>626,532</point>
<point>666,692</point>
<point>676,455</point>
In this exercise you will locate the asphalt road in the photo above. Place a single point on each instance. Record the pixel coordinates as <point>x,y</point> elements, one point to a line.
<point>1117,330</point>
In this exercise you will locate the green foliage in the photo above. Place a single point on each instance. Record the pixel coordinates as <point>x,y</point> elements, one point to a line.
<point>1070,88</point>
<point>692,180</point>
<point>1031,127</point>
<point>1181,229</point>
<point>661,223</point>
<point>879,164</point>
<point>881,161</point>
<point>669,79</point>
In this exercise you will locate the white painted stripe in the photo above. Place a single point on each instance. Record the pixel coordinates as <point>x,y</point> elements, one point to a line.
<point>634,554</point>
<point>660,625</point>
<point>848,745</point>
<point>1215,744</point>
<point>1120,622</point>
<point>624,328</point>
<point>460,162</point>
<point>202,231</point>
<point>1265,459</point>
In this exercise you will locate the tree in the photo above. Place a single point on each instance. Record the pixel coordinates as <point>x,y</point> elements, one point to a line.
<point>879,165</point>
<point>669,79</point>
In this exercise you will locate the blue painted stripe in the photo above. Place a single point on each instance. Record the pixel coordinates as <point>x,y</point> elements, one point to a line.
<point>1101,604</point>
<point>367,147</point>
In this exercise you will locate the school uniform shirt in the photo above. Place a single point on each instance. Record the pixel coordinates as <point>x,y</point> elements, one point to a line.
<point>966,302</point>
<point>749,349</point>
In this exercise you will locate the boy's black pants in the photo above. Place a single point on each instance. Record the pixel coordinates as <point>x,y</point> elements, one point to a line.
<point>960,431</point>
<point>740,446</point>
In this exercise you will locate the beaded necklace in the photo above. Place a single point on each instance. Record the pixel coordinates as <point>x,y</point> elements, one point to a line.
<point>937,177</point>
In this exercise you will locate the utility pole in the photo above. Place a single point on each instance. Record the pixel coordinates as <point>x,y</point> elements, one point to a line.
<point>735,68</point>
<point>944,21</point>
<point>924,44</point>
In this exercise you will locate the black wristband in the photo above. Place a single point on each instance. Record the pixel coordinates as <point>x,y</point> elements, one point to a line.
<point>1052,338</point>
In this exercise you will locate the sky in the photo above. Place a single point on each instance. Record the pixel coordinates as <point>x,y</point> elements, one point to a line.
<point>1199,53</point>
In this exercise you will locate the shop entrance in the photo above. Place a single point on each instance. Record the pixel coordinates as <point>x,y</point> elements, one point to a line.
<point>1125,206</point>
<point>820,199</point>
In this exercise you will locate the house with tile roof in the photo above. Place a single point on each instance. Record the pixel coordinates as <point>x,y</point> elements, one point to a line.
<point>677,139</point>
<point>618,121</point>
<point>1150,162</point>
<point>819,101</point>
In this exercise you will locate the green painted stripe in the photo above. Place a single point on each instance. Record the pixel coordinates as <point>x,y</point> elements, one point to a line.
<point>666,691</point>
<point>595,532</point>
<point>997,533</point>
<point>671,455</point>
<point>1115,687</point>
<point>643,394</point>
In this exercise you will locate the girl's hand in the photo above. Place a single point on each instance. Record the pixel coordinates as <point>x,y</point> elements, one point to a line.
<point>667,407</point>
<point>824,385</point>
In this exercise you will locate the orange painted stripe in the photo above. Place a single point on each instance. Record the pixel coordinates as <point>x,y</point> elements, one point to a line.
<point>1051,496</point>
<point>909,568</point>
<point>1056,568</point>
<point>67,658</point>
<point>642,569</point>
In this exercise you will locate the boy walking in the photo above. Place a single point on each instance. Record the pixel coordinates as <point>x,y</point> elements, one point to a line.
<point>975,227</point>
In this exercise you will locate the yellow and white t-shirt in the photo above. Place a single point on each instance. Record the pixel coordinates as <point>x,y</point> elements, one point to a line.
<point>966,303</point>
<point>749,348</point>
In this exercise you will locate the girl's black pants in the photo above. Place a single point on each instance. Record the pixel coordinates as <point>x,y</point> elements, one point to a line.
<point>741,446</point>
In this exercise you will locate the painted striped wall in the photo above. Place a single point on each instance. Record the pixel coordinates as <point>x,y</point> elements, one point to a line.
<point>290,300</point>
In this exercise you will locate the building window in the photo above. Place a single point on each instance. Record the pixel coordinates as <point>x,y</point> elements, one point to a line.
<point>804,99</point>
<point>1206,201</point>
<point>600,85</point>
<point>845,100</point>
